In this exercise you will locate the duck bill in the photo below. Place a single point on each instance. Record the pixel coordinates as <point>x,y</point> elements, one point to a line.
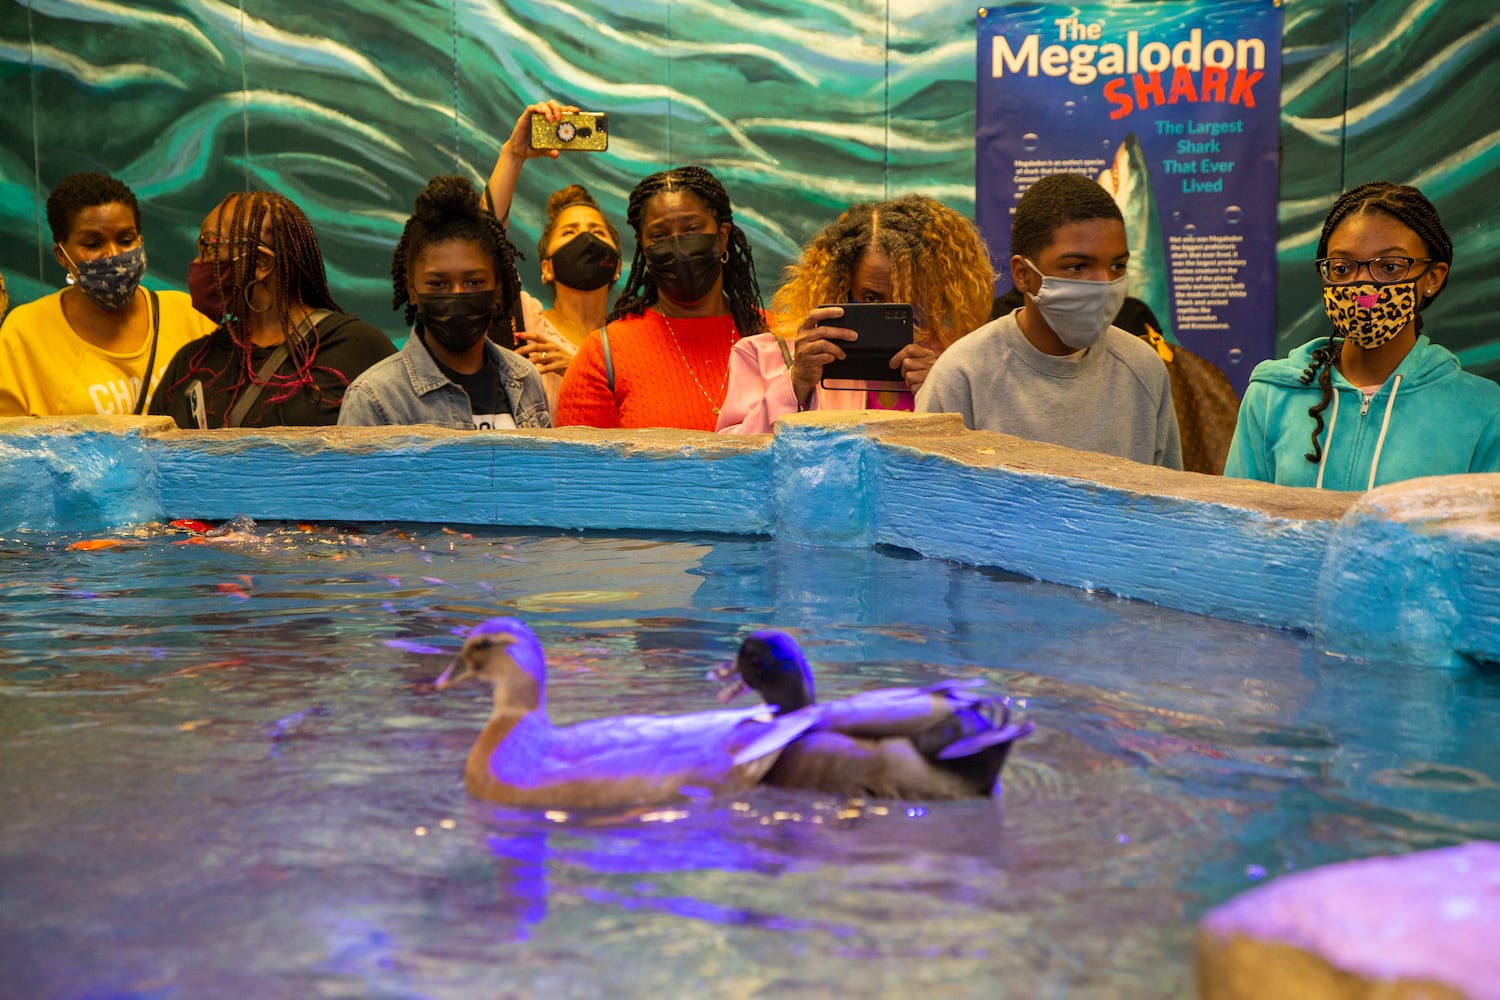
<point>458,671</point>
<point>731,684</point>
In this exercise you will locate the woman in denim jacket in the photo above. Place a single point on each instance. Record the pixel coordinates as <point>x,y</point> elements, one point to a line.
<point>454,271</point>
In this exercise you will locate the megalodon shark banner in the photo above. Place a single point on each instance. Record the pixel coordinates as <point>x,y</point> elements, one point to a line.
<point>1172,107</point>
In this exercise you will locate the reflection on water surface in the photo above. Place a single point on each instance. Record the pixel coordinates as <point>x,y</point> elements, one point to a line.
<point>225,770</point>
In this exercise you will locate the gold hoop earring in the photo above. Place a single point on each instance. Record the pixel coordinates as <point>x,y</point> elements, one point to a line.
<point>249,290</point>
<point>724,257</point>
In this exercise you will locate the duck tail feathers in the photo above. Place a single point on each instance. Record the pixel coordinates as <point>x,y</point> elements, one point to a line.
<point>954,684</point>
<point>970,746</point>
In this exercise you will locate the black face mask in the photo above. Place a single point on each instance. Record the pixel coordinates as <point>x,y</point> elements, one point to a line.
<point>456,320</point>
<point>585,262</point>
<point>685,267</point>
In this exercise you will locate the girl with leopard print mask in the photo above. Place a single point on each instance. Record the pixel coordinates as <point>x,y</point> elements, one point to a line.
<point>1397,406</point>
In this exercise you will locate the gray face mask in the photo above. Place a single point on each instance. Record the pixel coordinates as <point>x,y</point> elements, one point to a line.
<point>110,282</point>
<point>1079,311</point>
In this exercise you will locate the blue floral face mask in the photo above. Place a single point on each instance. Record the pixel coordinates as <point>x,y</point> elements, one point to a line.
<point>109,281</point>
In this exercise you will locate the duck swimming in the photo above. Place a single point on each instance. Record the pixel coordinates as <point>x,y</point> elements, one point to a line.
<point>521,759</point>
<point>936,742</point>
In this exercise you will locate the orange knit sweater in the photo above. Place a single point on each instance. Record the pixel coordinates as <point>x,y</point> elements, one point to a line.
<point>659,381</point>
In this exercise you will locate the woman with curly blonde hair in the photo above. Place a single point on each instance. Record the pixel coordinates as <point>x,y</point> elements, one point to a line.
<point>910,249</point>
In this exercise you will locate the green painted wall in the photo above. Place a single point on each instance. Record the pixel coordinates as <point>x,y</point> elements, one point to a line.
<point>348,106</point>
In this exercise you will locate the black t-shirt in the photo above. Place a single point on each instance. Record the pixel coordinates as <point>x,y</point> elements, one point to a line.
<point>343,347</point>
<point>487,399</point>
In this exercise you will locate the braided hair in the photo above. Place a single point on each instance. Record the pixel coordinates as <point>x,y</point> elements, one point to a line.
<point>76,192</point>
<point>449,209</point>
<point>939,264</point>
<point>249,222</point>
<point>740,286</point>
<point>1406,205</point>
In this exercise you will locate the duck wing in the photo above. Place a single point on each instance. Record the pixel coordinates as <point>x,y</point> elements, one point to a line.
<point>633,760</point>
<point>898,711</point>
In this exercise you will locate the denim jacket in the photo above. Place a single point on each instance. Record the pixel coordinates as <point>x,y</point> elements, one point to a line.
<point>409,388</point>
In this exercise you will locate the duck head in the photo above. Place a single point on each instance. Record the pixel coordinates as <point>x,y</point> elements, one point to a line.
<point>505,654</point>
<point>772,664</point>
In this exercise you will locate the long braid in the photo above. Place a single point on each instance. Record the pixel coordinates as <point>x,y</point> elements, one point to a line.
<point>1408,206</point>
<point>298,277</point>
<point>449,209</point>
<point>740,285</point>
<point>1322,369</point>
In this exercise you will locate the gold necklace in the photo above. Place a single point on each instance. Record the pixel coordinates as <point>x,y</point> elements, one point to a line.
<point>734,335</point>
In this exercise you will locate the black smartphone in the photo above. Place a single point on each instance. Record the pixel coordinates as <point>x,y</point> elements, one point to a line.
<point>196,405</point>
<point>503,334</point>
<point>883,327</point>
<point>578,131</point>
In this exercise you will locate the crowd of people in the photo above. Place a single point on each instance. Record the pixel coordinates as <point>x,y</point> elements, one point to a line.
<point>1065,356</point>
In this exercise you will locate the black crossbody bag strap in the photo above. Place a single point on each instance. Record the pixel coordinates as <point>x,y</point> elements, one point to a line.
<point>253,390</point>
<point>140,401</point>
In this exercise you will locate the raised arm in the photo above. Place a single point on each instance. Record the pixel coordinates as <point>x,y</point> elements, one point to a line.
<point>501,187</point>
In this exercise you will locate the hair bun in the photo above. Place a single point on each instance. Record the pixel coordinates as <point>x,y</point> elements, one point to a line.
<point>565,198</point>
<point>446,197</point>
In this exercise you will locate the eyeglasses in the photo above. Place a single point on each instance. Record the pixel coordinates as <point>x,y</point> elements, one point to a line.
<point>1383,270</point>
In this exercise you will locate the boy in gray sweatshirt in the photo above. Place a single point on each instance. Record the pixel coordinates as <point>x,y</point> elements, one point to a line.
<point>1055,369</point>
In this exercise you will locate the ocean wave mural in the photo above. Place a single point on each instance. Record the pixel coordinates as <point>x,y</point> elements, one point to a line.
<point>800,107</point>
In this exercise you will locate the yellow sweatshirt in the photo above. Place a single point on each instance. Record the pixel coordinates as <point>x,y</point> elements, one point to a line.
<point>47,370</point>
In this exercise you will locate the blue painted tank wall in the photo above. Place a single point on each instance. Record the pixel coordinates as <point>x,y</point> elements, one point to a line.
<point>1404,571</point>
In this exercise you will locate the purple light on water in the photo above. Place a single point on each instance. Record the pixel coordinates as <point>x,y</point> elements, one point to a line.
<point>412,646</point>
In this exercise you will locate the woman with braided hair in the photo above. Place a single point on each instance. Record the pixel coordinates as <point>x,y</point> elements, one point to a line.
<point>454,271</point>
<point>1376,401</point>
<point>662,359</point>
<point>282,353</point>
<point>910,249</point>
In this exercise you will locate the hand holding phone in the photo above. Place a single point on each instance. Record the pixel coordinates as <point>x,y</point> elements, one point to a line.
<point>883,329</point>
<point>814,346</point>
<point>913,362</point>
<point>573,131</point>
<point>518,143</point>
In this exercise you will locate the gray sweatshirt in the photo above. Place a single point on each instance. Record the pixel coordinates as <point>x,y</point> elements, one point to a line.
<point>1113,398</point>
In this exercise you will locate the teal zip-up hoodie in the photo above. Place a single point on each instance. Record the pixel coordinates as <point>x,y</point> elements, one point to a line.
<point>1430,418</point>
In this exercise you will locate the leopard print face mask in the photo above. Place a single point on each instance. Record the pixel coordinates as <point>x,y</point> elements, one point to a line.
<point>1370,314</point>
